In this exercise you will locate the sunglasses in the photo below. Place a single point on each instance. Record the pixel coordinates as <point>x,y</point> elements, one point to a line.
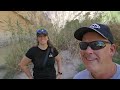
<point>42,31</point>
<point>95,45</point>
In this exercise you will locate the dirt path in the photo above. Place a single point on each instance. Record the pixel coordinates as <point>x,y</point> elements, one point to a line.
<point>70,65</point>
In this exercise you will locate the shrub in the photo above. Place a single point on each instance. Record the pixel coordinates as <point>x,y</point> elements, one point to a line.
<point>21,41</point>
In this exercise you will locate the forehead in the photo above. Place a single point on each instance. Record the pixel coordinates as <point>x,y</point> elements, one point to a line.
<point>92,36</point>
<point>42,35</point>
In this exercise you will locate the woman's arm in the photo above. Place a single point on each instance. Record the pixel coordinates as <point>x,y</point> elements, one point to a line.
<point>59,66</point>
<point>24,66</point>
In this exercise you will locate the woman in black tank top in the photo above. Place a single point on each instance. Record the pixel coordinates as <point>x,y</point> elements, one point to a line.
<point>43,57</point>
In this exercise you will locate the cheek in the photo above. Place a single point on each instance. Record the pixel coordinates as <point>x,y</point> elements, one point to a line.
<point>107,51</point>
<point>47,39</point>
<point>82,55</point>
<point>98,54</point>
<point>103,54</point>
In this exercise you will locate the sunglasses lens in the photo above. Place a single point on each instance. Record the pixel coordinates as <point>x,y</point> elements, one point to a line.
<point>96,45</point>
<point>83,45</point>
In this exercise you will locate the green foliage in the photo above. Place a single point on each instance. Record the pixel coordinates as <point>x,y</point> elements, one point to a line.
<point>21,41</point>
<point>111,16</point>
<point>116,57</point>
<point>81,67</point>
<point>89,21</point>
<point>65,36</point>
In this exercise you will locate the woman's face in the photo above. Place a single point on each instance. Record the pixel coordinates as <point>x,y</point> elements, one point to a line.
<point>42,39</point>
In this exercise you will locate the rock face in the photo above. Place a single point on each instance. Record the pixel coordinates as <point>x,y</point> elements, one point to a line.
<point>34,17</point>
<point>60,18</point>
<point>7,17</point>
<point>38,18</point>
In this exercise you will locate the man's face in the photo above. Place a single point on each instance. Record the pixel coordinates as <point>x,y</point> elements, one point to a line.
<point>96,60</point>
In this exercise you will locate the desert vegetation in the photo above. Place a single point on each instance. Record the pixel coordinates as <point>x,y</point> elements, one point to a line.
<point>23,37</point>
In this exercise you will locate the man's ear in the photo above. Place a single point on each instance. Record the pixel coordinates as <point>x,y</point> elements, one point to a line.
<point>113,49</point>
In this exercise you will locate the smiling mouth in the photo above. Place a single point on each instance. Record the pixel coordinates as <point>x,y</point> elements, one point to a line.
<point>89,59</point>
<point>42,40</point>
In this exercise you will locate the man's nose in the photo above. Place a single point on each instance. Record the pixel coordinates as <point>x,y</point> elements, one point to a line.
<point>89,50</point>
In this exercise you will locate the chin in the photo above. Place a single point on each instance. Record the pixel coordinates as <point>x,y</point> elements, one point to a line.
<point>43,43</point>
<point>93,67</point>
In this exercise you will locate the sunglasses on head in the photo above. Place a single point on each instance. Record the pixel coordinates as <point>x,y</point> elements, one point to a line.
<point>42,31</point>
<point>95,45</point>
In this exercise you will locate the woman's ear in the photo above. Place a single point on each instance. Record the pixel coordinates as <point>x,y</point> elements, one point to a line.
<point>113,49</point>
